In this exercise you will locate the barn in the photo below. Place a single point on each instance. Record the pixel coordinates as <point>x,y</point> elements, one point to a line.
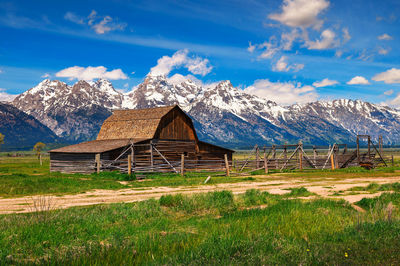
<point>155,138</point>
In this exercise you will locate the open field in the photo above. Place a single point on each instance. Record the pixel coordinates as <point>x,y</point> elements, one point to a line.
<point>348,216</point>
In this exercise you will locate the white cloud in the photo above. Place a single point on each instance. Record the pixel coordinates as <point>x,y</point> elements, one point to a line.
<point>1,71</point>
<point>45,75</point>
<point>358,80</point>
<point>389,92</point>
<point>195,65</point>
<point>6,97</point>
<point>74,18</point>
<point>270,48</point>
<point>346,35</point>
<point>90,73</point>
<point>283,93</point>
<point>385,37</point>
<point>177,79</point>
<point>365,55</point>
<point>395,102</point>
<point>339,53</point>
<point>251,47</point>
<point>287,39</point>
<point>383,51</point>
<point>326,41</point>
<point>283,66</point>
<point>389,77</point>
<point>100,24</point>
<point>325,83</point>
<point>301,13</point>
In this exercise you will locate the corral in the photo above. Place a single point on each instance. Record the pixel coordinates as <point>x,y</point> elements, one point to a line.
<point>144,140</point>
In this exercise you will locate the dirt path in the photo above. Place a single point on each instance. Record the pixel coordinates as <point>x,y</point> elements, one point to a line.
<point>324,188</point>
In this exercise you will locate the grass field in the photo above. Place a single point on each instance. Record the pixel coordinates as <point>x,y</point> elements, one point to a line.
<point>214,228</point>
<point>208,228</point>
<point>24,176</point>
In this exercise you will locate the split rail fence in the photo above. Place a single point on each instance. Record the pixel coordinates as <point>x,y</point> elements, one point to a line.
<point>147,158</point>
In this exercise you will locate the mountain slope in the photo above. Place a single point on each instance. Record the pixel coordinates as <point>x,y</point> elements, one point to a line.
<point>21,130</point>
<point>222,114</point>
<point>74,113</point>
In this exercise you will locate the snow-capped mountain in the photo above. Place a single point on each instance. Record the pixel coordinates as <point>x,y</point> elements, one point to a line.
<point>222,114</point>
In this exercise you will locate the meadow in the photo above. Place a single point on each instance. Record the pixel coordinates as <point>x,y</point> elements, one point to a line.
<point>211,228</point>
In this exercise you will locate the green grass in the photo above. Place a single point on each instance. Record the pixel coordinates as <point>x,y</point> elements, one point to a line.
<point>24,176</point>
<point>213,228</point>
<point>299,192</point>
<point>374,187</point>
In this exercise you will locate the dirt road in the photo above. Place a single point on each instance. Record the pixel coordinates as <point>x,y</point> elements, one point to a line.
<point>324,188</point>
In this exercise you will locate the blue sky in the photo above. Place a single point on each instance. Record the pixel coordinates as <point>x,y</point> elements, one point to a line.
<point>287,50</point>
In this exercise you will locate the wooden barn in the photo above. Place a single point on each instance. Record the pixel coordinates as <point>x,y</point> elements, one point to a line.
<point>155,138</point>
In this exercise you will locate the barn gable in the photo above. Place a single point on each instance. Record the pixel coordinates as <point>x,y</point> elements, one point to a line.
<point>152,123</point>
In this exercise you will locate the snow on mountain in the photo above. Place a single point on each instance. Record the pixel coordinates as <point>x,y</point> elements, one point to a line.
<point>222,113</point>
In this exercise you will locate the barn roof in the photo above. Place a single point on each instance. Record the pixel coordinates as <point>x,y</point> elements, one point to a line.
<point>138,123</point>
<point>97,146</point>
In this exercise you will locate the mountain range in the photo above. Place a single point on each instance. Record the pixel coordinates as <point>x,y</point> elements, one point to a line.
<point>222,114</point>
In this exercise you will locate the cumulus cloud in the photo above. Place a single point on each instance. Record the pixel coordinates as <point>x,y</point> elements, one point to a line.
<point>389,77</point>
<point>358,80</point>
<point>325,83</point>
<point>285,93</point>
<point>283,66</point>
<point>326,41</point>
<point>383,51</point>
<point>389,92</point>
<point>100,24</point>
<point>196,65</point>
<point>251,47</point>
<point>90,73</point>
<point>301,13</point>
<point>6,97</point>
<point>385,37</point>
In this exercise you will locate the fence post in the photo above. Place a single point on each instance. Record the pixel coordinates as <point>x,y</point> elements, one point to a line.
<point>392,160</point>
<point>182,164</point>
<point>98,162</point>
<point>332,162</point>
<point>129,164</point>
<point>265,162</point>
<point>40,159</point>
<point>226,164</point>
<point>301,157</point>
<point>257,158</point>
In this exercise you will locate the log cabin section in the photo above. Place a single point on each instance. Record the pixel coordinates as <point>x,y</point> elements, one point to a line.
<point>151,136</point>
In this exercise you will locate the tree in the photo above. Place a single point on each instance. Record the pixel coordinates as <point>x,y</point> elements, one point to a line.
<point>38,148</point>
<point>1,139</point>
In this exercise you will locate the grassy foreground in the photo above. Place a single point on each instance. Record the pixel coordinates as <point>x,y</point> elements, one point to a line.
<point>214,228</point>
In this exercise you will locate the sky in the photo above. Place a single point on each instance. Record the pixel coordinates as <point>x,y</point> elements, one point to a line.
<point>288,51</point>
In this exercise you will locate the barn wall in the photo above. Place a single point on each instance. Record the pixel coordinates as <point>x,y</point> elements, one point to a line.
<point>210,152</point>
<point>72,162</point>
<point>81,162</point>
<point>172,150</point>
<point>176,125</point>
